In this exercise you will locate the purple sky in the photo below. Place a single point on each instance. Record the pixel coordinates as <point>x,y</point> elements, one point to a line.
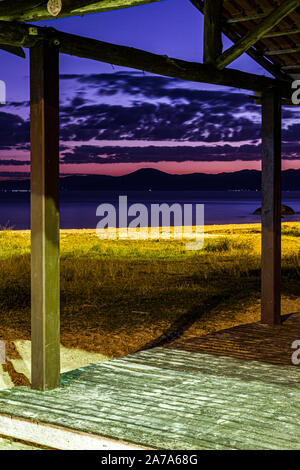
<point>115,120</point>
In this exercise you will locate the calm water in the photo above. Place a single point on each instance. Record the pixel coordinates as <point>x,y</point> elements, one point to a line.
<point>78,209</point>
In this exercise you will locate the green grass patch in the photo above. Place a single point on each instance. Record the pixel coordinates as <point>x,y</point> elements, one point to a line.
<point>116,286</point>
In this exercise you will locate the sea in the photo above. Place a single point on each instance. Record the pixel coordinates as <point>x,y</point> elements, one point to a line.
<point>78,208</point>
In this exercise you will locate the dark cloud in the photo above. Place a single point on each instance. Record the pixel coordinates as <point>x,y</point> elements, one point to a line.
<point>135,106</point>
<point>190,114</point>
<point>157,108</point>
<point>136,83</point>
<point>292,133</point>
<point>13,162</point>
<point>153,154</point>
<point>94,154</point>
<point>13,130</point>
<point>18,104</point>
<point>155,121</point>
<point>15,175</point>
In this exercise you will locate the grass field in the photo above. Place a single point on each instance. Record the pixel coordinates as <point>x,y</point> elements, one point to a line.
<point>118,296</point>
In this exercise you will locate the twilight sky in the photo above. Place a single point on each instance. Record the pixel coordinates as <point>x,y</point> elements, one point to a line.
<point>116,120</point>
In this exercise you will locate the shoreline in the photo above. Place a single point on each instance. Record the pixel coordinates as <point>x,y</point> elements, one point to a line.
<point>207,228</point>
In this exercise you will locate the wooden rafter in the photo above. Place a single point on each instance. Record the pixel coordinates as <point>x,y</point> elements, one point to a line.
<point>283,51</point>
<point>243,19</point>
<point>18,7</point>
<point>252,52</point>
<point>277,34</point>
<point>18,51</point>
<point>28,35</point>
<point>8,11</point>
<point>212,31</point>
<point>290,67</point>
<point>256,33</point>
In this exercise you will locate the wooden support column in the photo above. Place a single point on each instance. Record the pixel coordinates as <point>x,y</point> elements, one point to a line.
<point>271,207</point>
<point>212,47</point>
<point>45,298</point>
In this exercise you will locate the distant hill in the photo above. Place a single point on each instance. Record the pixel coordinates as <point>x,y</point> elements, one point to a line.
<point>149,178</point>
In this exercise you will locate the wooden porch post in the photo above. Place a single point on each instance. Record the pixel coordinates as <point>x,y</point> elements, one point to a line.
<point>271,207</point>
<point>212,41</point>
<point>45,298</point>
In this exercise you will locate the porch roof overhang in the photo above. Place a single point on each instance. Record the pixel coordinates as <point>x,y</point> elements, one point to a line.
<point>268,31</point>
<point>249,30</point>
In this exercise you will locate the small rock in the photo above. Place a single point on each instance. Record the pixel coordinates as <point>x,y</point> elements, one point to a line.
<point>285,210</point>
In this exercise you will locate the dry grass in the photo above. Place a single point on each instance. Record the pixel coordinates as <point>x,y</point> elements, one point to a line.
<point>118,296</point>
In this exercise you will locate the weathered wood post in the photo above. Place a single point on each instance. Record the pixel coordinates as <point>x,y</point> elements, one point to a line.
<point>271,207</point>
<point>212,41</point>
<point>45,297</point>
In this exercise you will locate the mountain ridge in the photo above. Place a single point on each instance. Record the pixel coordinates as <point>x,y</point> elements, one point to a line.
<point>153,179</point>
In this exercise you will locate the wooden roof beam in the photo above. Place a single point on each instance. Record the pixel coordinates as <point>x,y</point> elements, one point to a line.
<point>9,12</point>
<point>276,34</point>
<point>18,51</point>
<point>18,7</point>
<point>18,34</point>
<point>242,19</point>
<point>290,67</point>
<point>256,33</point>
<point>212,44</point>
<point>282,51</point>
<point>252,52</point>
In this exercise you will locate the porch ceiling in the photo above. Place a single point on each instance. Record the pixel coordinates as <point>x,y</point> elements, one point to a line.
<point>280,45</point>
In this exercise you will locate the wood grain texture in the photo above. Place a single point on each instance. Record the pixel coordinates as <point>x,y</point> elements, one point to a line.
<point>30,10</point>
<point>29,36</point>
<point>172,399</point>
<point>271,207</point>
<point>45,292</point>
<point>234,10</point>
<point>257,32</point>
<point>212,31</point>
<point>251,342</point>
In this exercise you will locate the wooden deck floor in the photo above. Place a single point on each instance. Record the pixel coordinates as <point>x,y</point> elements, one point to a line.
<point>170,398</point>
<point>254,341</point>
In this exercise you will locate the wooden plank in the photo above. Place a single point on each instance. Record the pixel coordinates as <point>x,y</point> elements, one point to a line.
<point>18,51</point>
<point>271,207</point>
<point>56,437</point>
<point>287,32</point>
<point>212,45</point>
<point>292,50</point>
<point>8,12</point>
<point>242,19</point>
<point>290,67</point>
<point>250,342</point>
<point>9,444</point>
<point>256,33</point>
<point>166,399</point>
<point>44,95</point>
<point>17,7</point>
<point>28,36</point>
<point>252,52</point>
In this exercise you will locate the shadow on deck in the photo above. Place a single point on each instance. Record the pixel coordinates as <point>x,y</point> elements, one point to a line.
<point>254,341</point>
<point>235,389</point>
